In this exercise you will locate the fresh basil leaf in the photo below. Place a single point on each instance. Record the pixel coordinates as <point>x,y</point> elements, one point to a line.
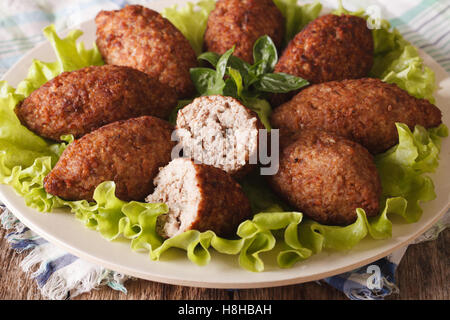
<point>280,83</point>
<point>216,88</point>
<point>241,66</point>
<point>206,81</point>
<point>230,89</point>
<point>203,78</point>
<point>221,66</point>
<point>262,109</point>
<point>237,78</point>
<point>249,94</point>
<point>211,57</point>
<point>265,55</point>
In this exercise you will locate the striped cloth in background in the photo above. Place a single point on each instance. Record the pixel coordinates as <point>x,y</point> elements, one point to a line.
<point>22,21</point>
<point>425,23</point>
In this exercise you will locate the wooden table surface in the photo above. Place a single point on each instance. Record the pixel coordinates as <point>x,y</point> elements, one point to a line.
<point>424,273</point>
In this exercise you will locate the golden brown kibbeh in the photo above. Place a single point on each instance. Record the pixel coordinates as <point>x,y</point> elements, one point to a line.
<point>81,101</point>
<point>241,23</point>
<point>128,152</point>
<point>327,177</point>
<point>141,38</point>
<point>329,48</point>
<point>362,110</point>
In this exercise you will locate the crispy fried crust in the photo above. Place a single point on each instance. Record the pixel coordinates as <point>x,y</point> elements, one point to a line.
<point>241,23</point>
<point>330,48</point>
<point>141,38</point>
<point>81,101</point>
<point>128,152</point>
<point>223,204</point>
<point>327,178</point>
<point>362,110</point>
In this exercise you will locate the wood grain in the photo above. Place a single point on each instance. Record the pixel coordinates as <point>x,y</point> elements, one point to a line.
<point>424,273</point>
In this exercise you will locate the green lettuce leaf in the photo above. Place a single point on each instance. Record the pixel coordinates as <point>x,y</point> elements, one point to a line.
<point>191,21</point>
<point>25,158</point>
<point>402,168</point>
<point>70,56</point>
<point>297,16</point>
<point>263,110</point>
<point>18,145</point>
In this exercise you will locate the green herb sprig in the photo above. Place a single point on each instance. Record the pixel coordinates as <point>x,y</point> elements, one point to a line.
<point>251,84</point>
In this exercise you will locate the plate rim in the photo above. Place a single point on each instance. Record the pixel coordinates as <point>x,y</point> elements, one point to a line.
<point>220,285</point>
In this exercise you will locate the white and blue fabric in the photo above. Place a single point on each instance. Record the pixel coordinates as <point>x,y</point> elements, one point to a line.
<point>425,23</point>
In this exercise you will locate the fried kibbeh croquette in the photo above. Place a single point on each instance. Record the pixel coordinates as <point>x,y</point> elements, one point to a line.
<point>330,48</point>
<point>81,101</point>
<point>241,23</point>
<point>141,38</point>
<point>128,152</point>
<point>219,131</point>
<point>327,177</point>
<point>200,197</point>
<point>362,110</point>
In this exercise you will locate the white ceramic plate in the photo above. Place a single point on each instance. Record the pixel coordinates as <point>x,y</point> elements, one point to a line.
<point>62,229</point>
